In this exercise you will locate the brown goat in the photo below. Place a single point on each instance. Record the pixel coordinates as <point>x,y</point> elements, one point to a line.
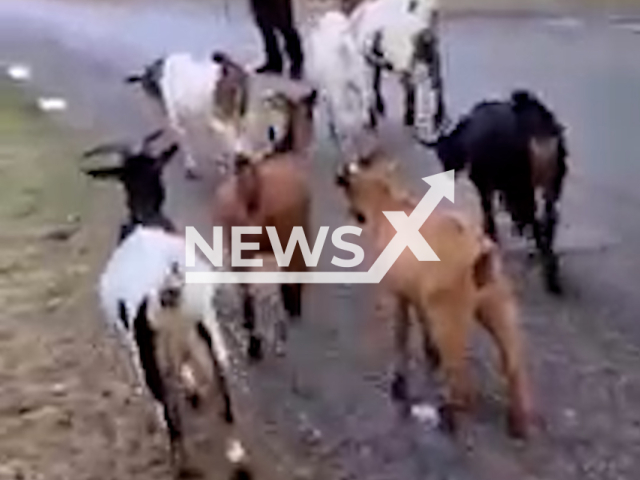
<point>272,192</point>
<point>467,283</point>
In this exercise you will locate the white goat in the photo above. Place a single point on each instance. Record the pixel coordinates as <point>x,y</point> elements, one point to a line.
<point>340,71</point>
<point>394,35</point>
<point>197,97</point>
<point>143,276</point>
<point>170,328</point>
<point>400,35</point>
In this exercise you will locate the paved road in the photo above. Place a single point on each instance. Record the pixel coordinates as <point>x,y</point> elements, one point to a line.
<point>323,408</point>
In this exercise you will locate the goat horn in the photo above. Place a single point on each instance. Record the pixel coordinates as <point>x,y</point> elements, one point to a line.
<point>150,138</point>
<point>108,149</point>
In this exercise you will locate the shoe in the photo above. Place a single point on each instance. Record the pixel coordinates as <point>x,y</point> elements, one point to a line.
<point>269,68</point>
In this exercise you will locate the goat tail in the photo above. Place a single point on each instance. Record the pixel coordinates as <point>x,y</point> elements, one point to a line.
<point>522,98</point>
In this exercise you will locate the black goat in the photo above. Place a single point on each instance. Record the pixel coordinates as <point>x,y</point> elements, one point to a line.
<point>140,172</point>
<point>515,147</point>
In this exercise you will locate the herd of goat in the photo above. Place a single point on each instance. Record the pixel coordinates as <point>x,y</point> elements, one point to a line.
<point>514,147</point>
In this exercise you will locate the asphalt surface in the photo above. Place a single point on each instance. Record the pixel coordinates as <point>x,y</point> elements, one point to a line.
<point>322,411</point>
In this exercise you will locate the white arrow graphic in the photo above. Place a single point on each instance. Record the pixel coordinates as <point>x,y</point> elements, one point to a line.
<point>408,235</point>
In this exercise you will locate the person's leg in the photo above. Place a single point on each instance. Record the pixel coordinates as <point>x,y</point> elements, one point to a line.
<point>294,50</point>
<point>283,16</point>
<point>264,21</point>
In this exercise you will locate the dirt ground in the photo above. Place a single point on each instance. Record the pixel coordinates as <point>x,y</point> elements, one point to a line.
<point>58,419</point>
<point>68,403</point>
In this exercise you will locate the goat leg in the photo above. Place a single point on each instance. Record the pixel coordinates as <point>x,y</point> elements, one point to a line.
<point>497,313</point>
<point>409,87</point>
<point>551,263</point>
<point>429,348</point>
<point>221,381</point>
<point>190,164</point>
<point>292,299</point>
<point>399,386</point>
<point>435,76</point>
<point>171,412</point>
<point>377,85</point>
<point>486,199</point>
<point>549,258</point>
<point>431,353</point>
<point>450,322</point>
<point>254,349</point>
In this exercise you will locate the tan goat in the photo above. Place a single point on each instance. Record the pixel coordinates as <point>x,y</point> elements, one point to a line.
<point>271,191</point>
<point>465,286</point>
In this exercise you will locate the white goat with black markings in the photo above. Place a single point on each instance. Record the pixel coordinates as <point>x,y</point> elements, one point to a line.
<point>399,36</point>
<point>351,48</point>
<point>198,97</point>
<point>170,327</point>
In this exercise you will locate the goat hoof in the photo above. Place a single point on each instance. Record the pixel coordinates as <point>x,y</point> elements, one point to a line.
<point>181,468</point>
<point>255,349</point>
<point>399,389</point>
<point>554,287</point>
<point>517,426</point>
<point>241,473</point>
<point>448,418</point>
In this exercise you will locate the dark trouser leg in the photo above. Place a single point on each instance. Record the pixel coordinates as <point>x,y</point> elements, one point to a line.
<point>273,61</point>
<point>293,46</point>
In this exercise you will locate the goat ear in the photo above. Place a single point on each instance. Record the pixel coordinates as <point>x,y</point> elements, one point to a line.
<point>109,149</point>
<point>149,139</point>
<point>166,156</point>
<point>219,57</point>
<point>105,173</point>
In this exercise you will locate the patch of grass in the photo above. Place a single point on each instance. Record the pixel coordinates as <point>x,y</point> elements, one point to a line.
<point>39,179</point>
